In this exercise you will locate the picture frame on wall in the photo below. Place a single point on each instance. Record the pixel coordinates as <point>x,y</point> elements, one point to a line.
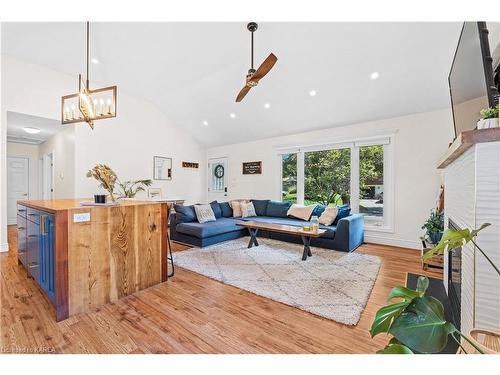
<point>252,167</point>
<point>162,168</point>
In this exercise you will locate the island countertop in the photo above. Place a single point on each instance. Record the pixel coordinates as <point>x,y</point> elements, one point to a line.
<point>54,205</point>
<point>83,257</point>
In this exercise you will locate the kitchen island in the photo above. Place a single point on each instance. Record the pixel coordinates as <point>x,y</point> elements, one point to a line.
<point>83,257</point>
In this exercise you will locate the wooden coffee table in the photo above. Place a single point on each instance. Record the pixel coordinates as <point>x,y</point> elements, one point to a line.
<point>254,226</point>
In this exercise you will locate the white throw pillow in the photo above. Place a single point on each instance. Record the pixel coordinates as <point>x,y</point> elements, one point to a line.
<point>236,206</point>
<point>301,212</point>
<point>247,209</point>
<point>204,213</point>
<point>328,216</point>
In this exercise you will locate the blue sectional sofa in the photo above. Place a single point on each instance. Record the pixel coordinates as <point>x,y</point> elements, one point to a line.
<point>345,234</point>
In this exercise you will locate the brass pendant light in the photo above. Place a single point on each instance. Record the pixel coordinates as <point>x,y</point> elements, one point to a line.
<point>88,105</point>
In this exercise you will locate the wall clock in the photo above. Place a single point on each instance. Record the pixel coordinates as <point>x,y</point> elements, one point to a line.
<point>219,171</point>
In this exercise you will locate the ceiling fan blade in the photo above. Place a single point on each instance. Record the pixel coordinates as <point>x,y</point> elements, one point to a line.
<point>242,93</point>
<point>265,67</point>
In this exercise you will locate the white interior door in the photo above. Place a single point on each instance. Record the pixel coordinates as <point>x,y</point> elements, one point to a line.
<point>48,176</point>
<point>17,184</point>
<point>217,179</point>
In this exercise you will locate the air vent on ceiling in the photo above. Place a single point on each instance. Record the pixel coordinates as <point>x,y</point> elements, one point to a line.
<point>26,140</point>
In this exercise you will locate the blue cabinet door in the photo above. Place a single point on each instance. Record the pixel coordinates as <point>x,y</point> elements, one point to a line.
<point>46,277</point>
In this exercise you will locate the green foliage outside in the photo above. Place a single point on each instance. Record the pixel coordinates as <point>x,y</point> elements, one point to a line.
<point>328,175</point>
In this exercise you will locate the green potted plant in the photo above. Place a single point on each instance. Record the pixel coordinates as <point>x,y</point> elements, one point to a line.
<point>489,118</point>
<point>416,321</point>
<point>434,227</point>
<point>129,189</point>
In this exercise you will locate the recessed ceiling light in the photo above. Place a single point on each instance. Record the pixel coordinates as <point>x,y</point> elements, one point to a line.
<point>267,106</point>
<point>205,123</point>
<point>30,130</point>
<point>312,93</point>
<point>374,75</point>
<point>232,115</point>
<point>94,60</point>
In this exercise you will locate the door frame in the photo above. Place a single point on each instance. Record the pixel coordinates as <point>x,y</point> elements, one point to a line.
<point>48,175</point>
<point>29,185</point>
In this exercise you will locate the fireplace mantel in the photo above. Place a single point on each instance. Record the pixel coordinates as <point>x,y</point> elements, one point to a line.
<point>465,141</point>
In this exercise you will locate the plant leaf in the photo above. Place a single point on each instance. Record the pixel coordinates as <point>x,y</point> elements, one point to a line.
<point>422,285</point>
<point>403,292</point>
<point>395,349</point>
<point>422,327</point>
<point>385,316</point>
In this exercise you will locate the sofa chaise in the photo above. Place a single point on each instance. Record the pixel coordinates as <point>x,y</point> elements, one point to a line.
<point>345,234</point>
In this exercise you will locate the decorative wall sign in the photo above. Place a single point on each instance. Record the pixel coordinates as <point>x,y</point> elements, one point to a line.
<point>162,168</point>
<point>188,164</point>
<point>252,167</point>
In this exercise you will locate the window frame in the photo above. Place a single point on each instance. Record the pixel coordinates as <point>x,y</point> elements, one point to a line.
<point>387,140</point>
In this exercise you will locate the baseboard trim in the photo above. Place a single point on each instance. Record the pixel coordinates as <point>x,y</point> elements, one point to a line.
<point>381,240</point>
<point>4,247</point>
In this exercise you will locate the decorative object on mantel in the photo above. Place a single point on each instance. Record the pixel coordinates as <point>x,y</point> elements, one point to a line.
<point>252,167</point>
<point>88,105</point>
<point>417,321</point>
<point>129,189</point>
<point>489,118</point>
<point>162,168</point>
<point>106,176</point>
<point>188,164</point>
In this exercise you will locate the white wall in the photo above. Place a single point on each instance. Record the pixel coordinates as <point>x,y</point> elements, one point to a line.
<point>420,141</point>
<point>62,146</point>
<point>31,152</point>
<point>127,143</point>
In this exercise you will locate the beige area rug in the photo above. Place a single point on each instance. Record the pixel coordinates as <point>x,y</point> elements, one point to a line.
<point>332,284</point>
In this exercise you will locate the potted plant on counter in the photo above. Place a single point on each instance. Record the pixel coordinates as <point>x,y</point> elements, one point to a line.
<point>106,177</point>
<point>129,189</point>
<point>489,118</point>
<point>434,227</point>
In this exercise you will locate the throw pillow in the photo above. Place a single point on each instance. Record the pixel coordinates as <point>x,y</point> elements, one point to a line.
<point>318,210</point>
<point>184,214</point>
<point>236,206</point>
<point>328,216</point>
<point>226,209</point>
<point>343,211</point>
<point>277,209</point>
<point>204,213</point>
<point>216,209</point>
<point>301,212</point>
<point>247,209</point>
<point>260,206</point>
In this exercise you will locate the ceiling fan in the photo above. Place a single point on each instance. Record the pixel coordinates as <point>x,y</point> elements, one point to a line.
<point>254,76</point>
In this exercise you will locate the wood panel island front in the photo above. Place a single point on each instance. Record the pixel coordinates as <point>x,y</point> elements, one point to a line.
<point>83,257</point>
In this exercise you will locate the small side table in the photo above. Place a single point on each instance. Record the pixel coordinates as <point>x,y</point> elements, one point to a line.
<point>435,262</point>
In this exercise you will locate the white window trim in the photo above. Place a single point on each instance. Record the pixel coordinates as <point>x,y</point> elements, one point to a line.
<point>387,140</point>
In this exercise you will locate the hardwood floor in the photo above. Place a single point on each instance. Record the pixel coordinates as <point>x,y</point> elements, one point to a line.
<point>189,314</point>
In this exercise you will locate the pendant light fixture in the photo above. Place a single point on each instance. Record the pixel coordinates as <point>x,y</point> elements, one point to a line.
<point>88,105</point>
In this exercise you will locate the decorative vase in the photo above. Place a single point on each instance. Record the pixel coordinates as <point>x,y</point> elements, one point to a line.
<point>435,237</point>
<point>487,123</point>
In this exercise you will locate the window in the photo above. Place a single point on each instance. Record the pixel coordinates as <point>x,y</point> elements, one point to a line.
<point>354,173</point>
<point>289,178</point>
<point>327,177</point>
<point>371,183</point>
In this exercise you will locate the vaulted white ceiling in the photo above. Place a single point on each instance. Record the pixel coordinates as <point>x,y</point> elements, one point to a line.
<point>193,71</point>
